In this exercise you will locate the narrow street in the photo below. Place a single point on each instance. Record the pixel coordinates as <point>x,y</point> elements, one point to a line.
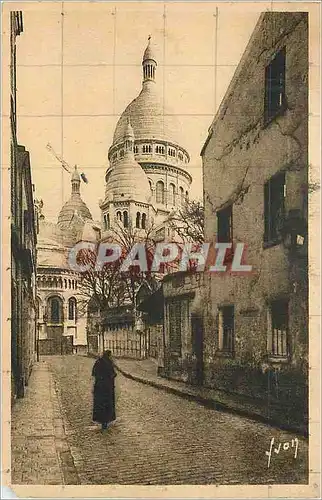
<point>160,438</point>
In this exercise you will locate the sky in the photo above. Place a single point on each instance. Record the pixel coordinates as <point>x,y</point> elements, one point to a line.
<point>77,72</point>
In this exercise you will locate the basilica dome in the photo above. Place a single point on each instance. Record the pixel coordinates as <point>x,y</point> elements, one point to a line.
<point>75,205</point>
<point>127,179</point>
<point>149,117</point>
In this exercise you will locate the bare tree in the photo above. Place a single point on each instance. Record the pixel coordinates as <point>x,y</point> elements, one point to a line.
<point>188,222</point>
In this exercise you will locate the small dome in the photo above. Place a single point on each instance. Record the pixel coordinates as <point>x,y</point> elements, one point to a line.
<point>127,181</point>
<point>74,205</point>
<point>67,213</point>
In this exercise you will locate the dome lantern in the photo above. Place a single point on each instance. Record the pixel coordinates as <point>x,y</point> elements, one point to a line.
<point>75,181</point>
<point>149,63</point>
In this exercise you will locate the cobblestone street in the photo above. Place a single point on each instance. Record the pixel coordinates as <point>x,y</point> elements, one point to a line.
<point>159,438</point>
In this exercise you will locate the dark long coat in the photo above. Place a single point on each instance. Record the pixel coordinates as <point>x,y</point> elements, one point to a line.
<point>104,391</point>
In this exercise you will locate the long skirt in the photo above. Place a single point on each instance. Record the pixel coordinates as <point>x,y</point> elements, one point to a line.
<point>104,401</point>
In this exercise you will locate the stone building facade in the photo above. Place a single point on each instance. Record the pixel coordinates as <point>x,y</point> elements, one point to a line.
<point>255,170</point>
<point>23,242</point>
<point>183,327</point>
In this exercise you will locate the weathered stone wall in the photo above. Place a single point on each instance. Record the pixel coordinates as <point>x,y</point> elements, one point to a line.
<point>241,154</point>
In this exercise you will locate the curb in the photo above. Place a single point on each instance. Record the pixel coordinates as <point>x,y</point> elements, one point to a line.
<point>216,405</point>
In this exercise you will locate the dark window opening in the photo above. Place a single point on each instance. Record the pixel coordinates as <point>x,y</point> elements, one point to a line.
<point>225,225</point>
<point>138,218</point>
<point>225,230</point>
<point>125,219</point>
<point>275,98</point>
<point>143,221</point>
<point>279,328</point>
<point>72,309</point>
<point>274,208</point>
<point>56,310</point>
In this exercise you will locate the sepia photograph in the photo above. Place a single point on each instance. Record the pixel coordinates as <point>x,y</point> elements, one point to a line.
<point>161,270</point>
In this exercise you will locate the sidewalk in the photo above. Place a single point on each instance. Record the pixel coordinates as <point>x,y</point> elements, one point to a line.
<point>39,449</point>
<point>145,371</point>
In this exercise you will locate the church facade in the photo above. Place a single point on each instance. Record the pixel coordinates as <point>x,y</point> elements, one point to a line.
<point>61,307</point>
<point>146,180</point>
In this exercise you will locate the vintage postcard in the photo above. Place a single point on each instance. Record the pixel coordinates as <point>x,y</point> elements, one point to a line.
<point>161,249</point>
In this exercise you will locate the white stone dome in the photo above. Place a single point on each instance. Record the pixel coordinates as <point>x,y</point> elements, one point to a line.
<point>127,181</point>
<point>149,117</point>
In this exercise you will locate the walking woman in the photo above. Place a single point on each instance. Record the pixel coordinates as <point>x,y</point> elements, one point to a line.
<point>104,390</point>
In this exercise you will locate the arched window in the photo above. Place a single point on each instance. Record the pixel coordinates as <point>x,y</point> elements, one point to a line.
<point>172,190</point>
<point>69,284</point>
<point>72,309</point>
<point>119,216</point>
<point>143,221</point>
<point>160,192</point>
<point>55,309</point>
<point>106,221</point>
<point>136,149</point>
<point>181,191</point>
<point>65,283</point>
<point>138,220</point>
<point>187,196</point>
<point>125,219</point>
